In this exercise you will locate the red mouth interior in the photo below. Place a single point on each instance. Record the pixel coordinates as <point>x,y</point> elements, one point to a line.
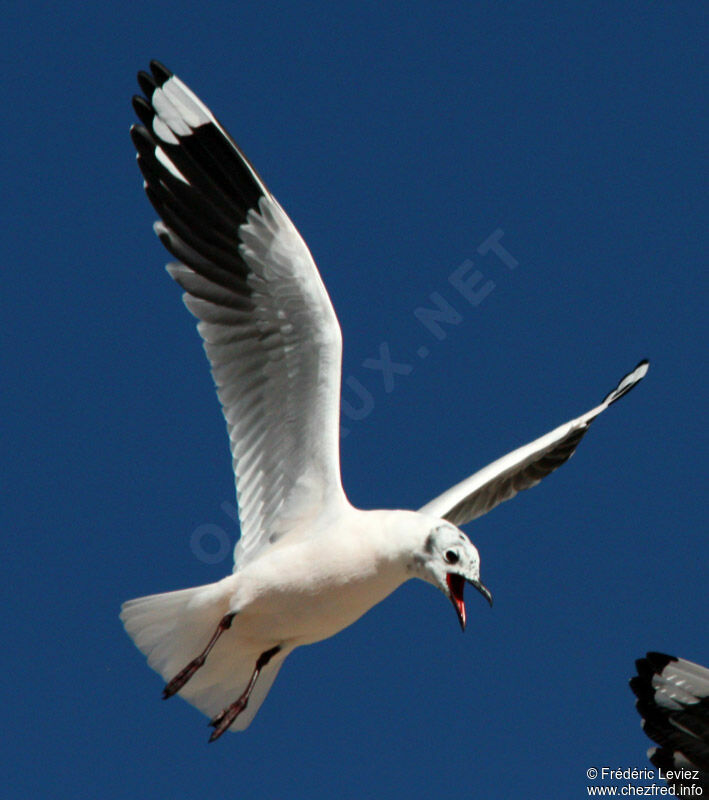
<point>456,585</point>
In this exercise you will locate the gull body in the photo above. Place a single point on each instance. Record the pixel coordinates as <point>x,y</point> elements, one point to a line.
<point>307,587</point>
<point>307,564</point>
<point>310,588</point>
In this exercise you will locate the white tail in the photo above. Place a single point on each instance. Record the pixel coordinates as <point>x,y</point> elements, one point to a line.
<point>174,627</point>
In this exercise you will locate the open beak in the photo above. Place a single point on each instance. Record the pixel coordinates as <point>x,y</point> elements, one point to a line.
<point>456,585</point>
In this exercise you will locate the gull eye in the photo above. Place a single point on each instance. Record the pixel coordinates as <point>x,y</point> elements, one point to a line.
<point>452,557</point>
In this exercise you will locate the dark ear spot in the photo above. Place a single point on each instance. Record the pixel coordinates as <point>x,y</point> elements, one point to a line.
<point>428,544</point>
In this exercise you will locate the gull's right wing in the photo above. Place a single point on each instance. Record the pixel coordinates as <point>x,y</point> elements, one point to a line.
<point>524,467</point>
<point>269,329</point>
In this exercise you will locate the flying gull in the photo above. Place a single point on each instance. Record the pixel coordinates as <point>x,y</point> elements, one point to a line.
<point>673,701</point>
<point>308,564</point>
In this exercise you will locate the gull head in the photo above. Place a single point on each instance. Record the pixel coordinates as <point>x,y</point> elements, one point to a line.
<point>449,560</point>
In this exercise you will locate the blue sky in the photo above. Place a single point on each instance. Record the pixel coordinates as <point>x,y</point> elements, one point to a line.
<point>398,139</point>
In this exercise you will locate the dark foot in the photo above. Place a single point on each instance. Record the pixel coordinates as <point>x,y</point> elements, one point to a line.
<point>185,674</point>
<point>182,677</point>
<point>225,718</point>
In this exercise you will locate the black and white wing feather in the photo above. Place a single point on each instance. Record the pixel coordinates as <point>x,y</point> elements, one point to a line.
<point>269,329</point>
<point>673,701</point>
<point>524,467</point>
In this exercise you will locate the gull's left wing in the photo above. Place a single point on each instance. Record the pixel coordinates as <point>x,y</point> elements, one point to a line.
<point>673,701</point>
<point>524,467</point>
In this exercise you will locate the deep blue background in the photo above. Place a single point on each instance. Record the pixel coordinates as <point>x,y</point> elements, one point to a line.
<point>398,139</point>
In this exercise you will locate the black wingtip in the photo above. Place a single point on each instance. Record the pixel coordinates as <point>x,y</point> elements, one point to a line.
<point>659,660</point>
<point>628,382</point>
<point>147,83</point>
<point>653,663</point>
<point>144,111</point>
<point>142,140</point>
<point>160,72</point>
<point>663,758</point>
<point>641,684</point>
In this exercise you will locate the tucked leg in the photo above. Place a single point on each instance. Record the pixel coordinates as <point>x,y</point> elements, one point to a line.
<point>225,718</point>
<point>185,674</point>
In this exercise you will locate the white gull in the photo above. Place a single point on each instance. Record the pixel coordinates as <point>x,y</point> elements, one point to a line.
<point>308,564</point>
